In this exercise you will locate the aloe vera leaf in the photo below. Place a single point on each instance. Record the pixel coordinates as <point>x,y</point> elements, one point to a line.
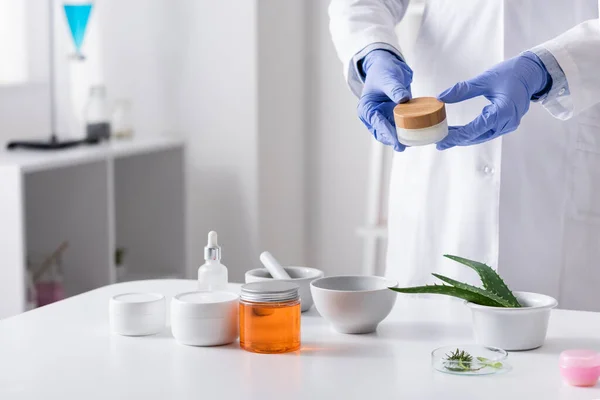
<point>474,289</point>
<point>489,363</point>
<point>492,282</point>
<point>450,291</point>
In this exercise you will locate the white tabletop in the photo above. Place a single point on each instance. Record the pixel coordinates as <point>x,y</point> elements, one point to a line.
<point>65,351</point>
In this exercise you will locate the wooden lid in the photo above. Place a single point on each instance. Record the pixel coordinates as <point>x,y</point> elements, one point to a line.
<point>418,113</point>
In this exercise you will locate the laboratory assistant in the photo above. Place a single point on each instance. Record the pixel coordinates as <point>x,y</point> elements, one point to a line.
<point>526,203</point>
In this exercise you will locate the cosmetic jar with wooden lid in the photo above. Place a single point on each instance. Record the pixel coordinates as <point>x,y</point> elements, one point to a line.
<point>420,121</point>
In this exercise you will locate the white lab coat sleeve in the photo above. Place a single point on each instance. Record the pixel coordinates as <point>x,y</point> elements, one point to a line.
<point>560,86</point>
<point>359,26</point>
<point>577,52</point>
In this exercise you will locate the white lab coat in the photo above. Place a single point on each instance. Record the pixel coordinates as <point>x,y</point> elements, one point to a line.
<point>527,203</point>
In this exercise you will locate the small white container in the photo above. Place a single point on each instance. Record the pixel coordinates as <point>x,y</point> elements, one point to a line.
<point>521,328</point>
<point>205,318</point>
<point>421,121</point>
<point>137,314</point>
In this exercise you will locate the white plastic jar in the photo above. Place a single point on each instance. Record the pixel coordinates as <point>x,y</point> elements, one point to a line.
<point>205,318</point>
<point>137,314</point>
<point>421,121</point>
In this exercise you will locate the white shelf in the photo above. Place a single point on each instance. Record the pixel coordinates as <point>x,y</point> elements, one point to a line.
<point>42,160</point>
<point>128,193</point>
<point>128,147</point>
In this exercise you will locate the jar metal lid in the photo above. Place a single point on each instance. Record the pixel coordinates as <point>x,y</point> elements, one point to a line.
<point>270,291</point>
<point>419,113</point>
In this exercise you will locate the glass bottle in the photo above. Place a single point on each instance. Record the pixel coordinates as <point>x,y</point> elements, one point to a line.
<point>270,317</point>
<point>212,275</point>
<point>122,122</point>
<point>97,117</point>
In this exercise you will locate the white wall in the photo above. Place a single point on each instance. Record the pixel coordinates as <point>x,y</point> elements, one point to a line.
<point>277,158</point>
<point>24,108</point>
<point>282,105</point>
<point>338,149</point>
<point>338,146</point>
<point>216,111</point>
<point>133,63</point>
<point>194,68</point>
<point>138,50</point>
<point>13,41</point>
<point>240,105</point>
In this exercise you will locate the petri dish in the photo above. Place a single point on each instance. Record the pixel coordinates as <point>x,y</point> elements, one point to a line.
<point>470,360</point>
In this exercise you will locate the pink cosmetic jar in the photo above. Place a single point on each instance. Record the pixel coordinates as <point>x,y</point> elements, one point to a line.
<point>580,367</point>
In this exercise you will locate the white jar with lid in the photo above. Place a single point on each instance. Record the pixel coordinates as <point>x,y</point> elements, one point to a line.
<point>420,121</point>
<point>205,318</point>
<point>137,314</point>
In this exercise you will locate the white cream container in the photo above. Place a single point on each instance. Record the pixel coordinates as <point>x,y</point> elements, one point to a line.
<point>205,318</point>
<point>421,121</point>
<point>137,314</point>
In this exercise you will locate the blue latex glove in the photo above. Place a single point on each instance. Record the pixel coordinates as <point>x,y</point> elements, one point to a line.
<point>387,83</point>
<point>509,86</point>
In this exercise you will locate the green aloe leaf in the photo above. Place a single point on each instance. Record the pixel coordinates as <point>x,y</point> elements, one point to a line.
<point>470,288</point>
<point>492,282</point>
<point>489,363</point>
<point>451,291</point>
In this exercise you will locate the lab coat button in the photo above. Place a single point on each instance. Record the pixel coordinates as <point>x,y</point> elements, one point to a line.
<point>488,170</point>
<point>561,91</point>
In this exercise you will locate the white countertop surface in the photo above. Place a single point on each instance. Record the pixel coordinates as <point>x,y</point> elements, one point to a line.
<point>41,160</point>
<point>65,351</point>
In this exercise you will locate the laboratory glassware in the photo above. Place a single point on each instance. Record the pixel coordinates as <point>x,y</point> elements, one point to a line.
<point>97,117</point>
<point>77,14</point>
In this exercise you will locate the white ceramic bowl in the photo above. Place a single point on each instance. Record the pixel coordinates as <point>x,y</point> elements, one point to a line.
<point>513,328</point>
<point>354,304</point>
<point>301,276</point>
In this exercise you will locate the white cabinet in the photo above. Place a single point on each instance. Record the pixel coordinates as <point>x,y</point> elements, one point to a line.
<point>128,193</point>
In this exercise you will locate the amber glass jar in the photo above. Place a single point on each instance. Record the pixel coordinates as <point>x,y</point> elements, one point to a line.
<point>270,317</point>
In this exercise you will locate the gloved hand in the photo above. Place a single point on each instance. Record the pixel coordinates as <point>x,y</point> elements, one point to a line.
<point>509,86</point>
<point>387,83</point>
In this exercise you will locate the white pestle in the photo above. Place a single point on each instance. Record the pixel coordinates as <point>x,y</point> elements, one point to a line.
<point>274,268</point>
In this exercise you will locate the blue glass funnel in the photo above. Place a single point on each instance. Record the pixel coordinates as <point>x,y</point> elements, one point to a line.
<point>77,18</point>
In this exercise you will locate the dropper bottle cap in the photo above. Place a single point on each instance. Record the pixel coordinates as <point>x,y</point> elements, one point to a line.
<point>212,251</point>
